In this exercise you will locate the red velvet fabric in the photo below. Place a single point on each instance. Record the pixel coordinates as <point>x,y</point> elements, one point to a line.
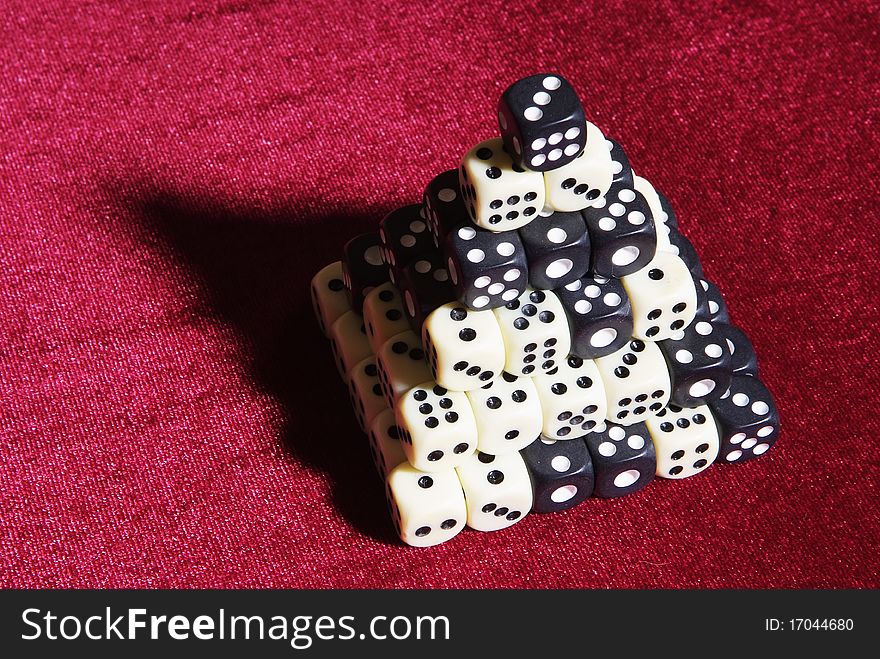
<point>172,174</point>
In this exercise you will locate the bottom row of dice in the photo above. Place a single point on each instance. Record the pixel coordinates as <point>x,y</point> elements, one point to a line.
<point>490,492</point>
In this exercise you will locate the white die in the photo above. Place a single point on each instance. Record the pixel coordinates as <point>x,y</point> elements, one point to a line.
<point>367,397</point>
<point>464,347</point>
<point>584,180</point>
<point>348,341</point>
<point>329,298</point>
<point>402,365</point>
<point>508,414</point>
<point>497,490</point>
<point>499,195</point>
<point>663,297</point>
<point>636,380</point>
<point>685,440</point>
<point>383,315</point>
<point>385,447</point>
<point>572,399</point>
<point>650,194</point>
<point>426,509</point>
<point>437,427</point>
<point>535,331</point>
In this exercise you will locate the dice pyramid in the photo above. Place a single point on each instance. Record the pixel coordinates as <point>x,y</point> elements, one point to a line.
<point>536,332</point>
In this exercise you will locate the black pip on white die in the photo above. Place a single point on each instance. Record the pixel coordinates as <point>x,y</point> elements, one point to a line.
<point>747,419</point>
<point>599,314</point>
<point>557,249</point>
<point>363,267</point>
<point>542,122</point>
<point>444,205</point>
<point>624,460</point>
<point>561,474</point>
<point>699,363</point>
<point>535,332</point>
<point>405,237</point>
<point>487,269</point>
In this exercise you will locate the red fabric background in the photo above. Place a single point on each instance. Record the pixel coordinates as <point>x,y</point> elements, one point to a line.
<point>173,173</point>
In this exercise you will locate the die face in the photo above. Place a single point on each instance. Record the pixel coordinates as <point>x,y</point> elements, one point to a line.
<point>542,122</point>
<point>623,457</point>
<point>329,299</point>
<point>685,440</point>
<point>363,267</point>
<point>622,234</point>
<point>644,187</point>
<point>465,348</point>
<point>424,285</point>
<point>508,414</point>
<point>663,297</point>
<point>384,438</point>
<point>444,205</point>
<point>405,237</point>
<point>599,315</point>
<point>348,342</point>
<point>747,419</point>
<point>621,170</point>
<point>499,194</point>
<point>572,397</point>
<point>636,381</point>
<point>438,429</point>
<point>384,316</point>
<point>487,269</point>
<point>584,180</point>
<point>715,306</point>
<point>557,249</point>
<point>535,332</point>
<point>561,474</point>
<point>699,362</point>
<point>668,217</point>
<point>497,490</point>
<point>682,248</point>
<point>743,360</point>
<point>401,365</point>
<point>427,508</point>
<point>367,397</point>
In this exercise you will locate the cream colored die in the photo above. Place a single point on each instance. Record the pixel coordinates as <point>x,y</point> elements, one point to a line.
<point>657,212</point>
<point>497,490</point>
<point>383,315</point>
<point>508,414</point>
<point>572,399</point>
<point>348,340</point>
<point>535,332</point>
<point>584,180</point>
<point>636,380</point>
<point>437,427</point>
<point>385,447</point>
<point>663,297</point>
<point>465,348</point>
<point>685,440</point>
<point>499,195</point>
<point>402,365</point>
<point>426,509</point>
<point>367,397</point>
<point>329,298</point>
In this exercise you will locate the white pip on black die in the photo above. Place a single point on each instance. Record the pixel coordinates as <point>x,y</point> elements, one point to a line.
<point>685,440</point>
<point>508,414</point>
<point>444,205</point>
<point>621,170</point>
<point>561,474</point>
<point>699,363</point>
<point>535,332</point>
<point>747,419</point>
<point>743,360</point>
<point>624,460</point>
<point>599,315</point>
<point>404,235</point>
<point>499,194</point>
<point>636,380</point>
<point>542,122</point>
<point>497,490</point>
<point>557,249</point>
<point>363,267</point>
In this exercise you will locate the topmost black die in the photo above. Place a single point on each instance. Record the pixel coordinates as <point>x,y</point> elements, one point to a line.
<point>363,267</point>
<point>542,122</point>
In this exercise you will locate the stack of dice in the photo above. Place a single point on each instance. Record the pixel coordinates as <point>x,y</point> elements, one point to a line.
<point>536,332</point>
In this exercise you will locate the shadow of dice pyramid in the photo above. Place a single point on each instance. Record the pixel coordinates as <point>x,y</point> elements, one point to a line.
<point>537,331</point>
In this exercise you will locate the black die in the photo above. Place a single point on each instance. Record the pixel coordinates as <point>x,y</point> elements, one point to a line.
<point>743,360</point>
<point>444,205</point>
<point>363,267</point>
<point>622,172</point>
<point>405,236</point>
<point>622,234</point>
<point>487,269</point>
<point>623,457</point>
<point>557,249</point>
<point>682,247</point>
<point>542,122</point>
<point>424,285</point>
<point>599,315</point>
<point>699,364</point>
<point>710,302</point>
<point>747,419</point>
<point>668,218</point>
<point>561,473</point>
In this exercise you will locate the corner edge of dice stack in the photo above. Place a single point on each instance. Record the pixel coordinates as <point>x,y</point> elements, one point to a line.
<point>537,331</point>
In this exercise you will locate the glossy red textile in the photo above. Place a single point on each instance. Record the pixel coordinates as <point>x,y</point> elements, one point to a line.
<point>172,174</point>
